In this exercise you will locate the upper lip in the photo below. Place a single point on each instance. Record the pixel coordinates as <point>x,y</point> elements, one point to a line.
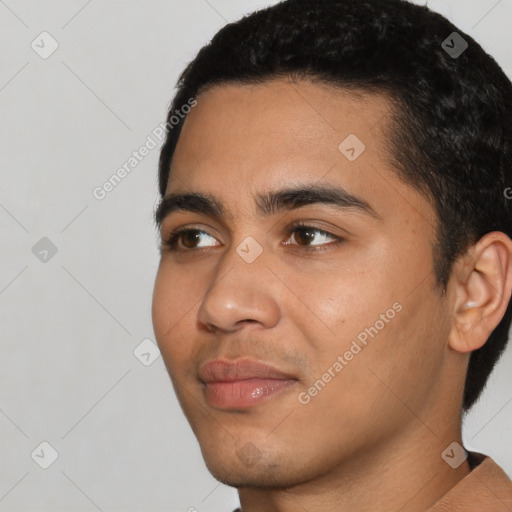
<point>223,370</point>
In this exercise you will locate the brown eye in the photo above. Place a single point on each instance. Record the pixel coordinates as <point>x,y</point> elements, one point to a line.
<point>305,235</point>
<point>190,238</point>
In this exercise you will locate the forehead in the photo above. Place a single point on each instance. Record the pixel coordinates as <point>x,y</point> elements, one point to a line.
<point>262,128</point>
<point>244,140</point>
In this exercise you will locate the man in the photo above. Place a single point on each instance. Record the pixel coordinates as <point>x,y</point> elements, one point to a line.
<point>336,262</point>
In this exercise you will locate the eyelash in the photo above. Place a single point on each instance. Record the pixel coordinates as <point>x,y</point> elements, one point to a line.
<point>171,243</point>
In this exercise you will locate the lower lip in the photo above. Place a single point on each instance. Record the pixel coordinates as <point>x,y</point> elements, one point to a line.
<point>244,393</point>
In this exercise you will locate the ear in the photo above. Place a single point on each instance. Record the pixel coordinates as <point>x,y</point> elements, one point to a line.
<point>483,285</point>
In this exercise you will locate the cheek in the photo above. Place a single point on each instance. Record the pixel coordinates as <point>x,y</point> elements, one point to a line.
<point>174,295</point>
<point>406,360</point>
<point>172,314</point>
<point>347,300</point>
<point>162,308</point>
<point>378,316</point>
<point>380,381</point>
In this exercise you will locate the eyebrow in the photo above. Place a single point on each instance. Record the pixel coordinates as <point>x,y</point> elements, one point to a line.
<point>267,204</point>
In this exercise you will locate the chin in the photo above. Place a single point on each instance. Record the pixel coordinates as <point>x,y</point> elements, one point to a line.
<point>241,477</point>
<point>269,472</point>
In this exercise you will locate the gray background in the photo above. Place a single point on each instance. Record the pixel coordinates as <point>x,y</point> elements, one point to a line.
<point>69,324</point>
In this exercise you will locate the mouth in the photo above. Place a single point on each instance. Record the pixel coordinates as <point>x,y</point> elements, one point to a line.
<point>242,383</point>
<point>242,394</point>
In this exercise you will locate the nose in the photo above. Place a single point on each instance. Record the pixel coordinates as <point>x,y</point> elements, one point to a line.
<point>240,293</point>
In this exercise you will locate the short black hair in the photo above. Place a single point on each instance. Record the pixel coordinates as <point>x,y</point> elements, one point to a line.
<point>451,132</point>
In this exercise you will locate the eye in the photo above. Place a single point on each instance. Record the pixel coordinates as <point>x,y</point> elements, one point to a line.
<point>190,237</point>
<point>309,233</point>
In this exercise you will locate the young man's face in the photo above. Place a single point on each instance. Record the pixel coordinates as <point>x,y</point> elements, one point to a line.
<point>360,318</point>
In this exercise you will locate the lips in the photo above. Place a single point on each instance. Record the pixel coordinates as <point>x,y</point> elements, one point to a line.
<point>239,369</point>
<point>242,383</point>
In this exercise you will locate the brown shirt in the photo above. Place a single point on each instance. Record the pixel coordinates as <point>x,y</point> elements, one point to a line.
<point>486,489</point>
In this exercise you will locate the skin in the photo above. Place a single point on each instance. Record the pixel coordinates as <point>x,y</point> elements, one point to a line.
<point>372,438</point>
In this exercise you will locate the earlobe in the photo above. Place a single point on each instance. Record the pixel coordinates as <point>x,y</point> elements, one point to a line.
<point>483,279</point>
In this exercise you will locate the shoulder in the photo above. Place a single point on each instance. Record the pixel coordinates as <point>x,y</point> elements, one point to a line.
<point>487,488</point>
